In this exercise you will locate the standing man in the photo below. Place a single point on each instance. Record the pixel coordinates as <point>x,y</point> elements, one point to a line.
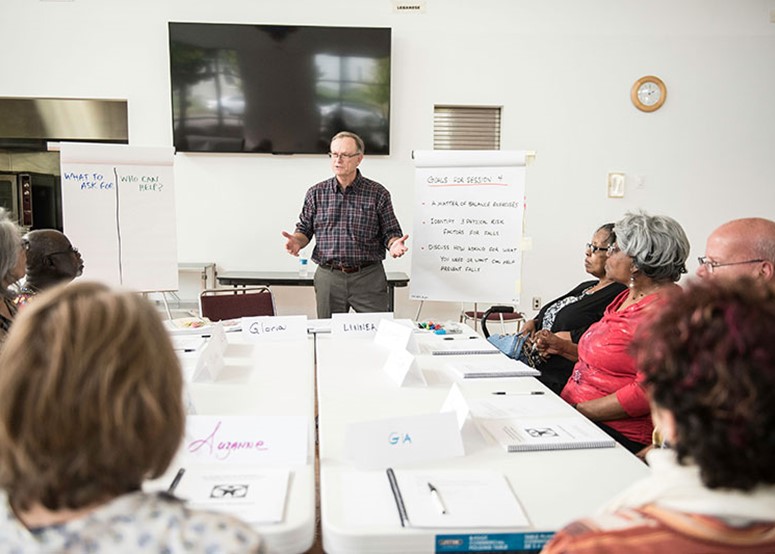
<point>353,221</point>
<point>740,248</point>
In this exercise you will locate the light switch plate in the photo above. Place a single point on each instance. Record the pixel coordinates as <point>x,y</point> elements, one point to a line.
<point>616,185</point>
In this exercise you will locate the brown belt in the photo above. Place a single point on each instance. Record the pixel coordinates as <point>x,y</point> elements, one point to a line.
<point>347,268</point>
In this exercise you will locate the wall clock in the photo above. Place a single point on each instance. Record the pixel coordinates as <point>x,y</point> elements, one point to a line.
<point>648,93</point>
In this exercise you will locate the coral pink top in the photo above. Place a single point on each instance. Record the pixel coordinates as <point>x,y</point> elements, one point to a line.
<point>605,367</point>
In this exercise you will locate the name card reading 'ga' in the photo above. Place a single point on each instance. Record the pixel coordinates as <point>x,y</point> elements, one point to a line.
<point>260,440</point>
<point>270,328</point>
<point>393,442</point>
<point>357,325</point>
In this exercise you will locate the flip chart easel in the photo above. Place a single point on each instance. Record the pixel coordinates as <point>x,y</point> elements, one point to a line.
<point>468,225</point>
<point>118,207</point>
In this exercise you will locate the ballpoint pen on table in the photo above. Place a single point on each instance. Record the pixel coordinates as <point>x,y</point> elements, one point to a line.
<point>523,393</point>
<point>437,498</point>
<point>176,480</point>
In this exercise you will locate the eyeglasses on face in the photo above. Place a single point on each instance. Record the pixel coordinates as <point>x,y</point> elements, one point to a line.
<point>70,250</point>
<point>710,265</point>
<point>595,249</point>
<point>613,249</point>
<point>338,155</point>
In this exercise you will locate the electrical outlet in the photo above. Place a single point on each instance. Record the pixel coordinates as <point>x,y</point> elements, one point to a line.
<point>536,302</point>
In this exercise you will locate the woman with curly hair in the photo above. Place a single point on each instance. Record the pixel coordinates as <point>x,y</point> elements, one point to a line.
<point>709,365</point>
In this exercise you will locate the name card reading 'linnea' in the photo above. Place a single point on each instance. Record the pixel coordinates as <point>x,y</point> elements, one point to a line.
<point>357,325</point>
<point>260,440</point>
<point>393,442</point>
<point>269,328</point>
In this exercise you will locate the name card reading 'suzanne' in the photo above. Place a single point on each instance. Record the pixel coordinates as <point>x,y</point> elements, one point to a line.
<point>357,325</point>
<point>268,328</point>
<point>259,440</point>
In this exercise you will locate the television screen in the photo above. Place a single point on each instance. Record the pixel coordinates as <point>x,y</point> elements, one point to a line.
<point>278,89</point>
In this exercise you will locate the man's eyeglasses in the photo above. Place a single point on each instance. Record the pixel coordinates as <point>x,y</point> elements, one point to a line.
<point>710,265</point>
<point>70,250</point>
<point>595,249</point>
<point>337,155</point>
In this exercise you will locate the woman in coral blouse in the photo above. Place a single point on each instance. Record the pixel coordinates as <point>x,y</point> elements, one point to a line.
<point>605,386</point>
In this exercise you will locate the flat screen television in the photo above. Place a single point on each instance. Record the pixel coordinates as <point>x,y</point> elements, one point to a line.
<point>279,89</point>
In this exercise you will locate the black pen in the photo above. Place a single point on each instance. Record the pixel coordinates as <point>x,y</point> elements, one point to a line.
<point>437,498</point>
<point>176,480</point>
<point>526,393</point>
<point>461,338</point>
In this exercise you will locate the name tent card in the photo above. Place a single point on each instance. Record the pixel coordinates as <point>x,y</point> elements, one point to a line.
<point>357,325</point>
<point>406,440</point>
<point>255,440</point>
<point>401,366</point>
<point>393,334</point>
<point>218,337</point>
<point>210,361</point>
<point>273,328</point>
<point>456,403</point>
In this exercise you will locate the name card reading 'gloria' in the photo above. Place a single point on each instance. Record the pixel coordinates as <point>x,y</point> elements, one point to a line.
<point>270,328</point>
<point>357,325</point>
<point>393,442</point>
<point>259,440</point>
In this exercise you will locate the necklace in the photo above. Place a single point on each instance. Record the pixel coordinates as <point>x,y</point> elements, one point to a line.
<point>644,293</point>
<point>596,287</point>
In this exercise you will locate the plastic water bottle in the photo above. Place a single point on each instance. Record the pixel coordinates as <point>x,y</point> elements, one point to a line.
<point>303,267</point>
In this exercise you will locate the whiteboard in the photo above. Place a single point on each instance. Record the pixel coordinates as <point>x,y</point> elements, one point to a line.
<point>468,226</point>
<point>118,207</point>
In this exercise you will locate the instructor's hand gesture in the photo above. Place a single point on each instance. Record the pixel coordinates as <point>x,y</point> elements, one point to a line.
<point>293,246</point>
<point>398,248</point>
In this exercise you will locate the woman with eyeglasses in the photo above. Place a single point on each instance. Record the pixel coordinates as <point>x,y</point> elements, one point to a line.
<point>12,262</point>
<point>649,256</point>
<point>557,327</point>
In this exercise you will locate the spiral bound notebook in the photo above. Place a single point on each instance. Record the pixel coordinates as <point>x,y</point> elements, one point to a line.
<point>458,346</point>
<point>550,433</point>
<point>491,367</point>
<point>454,499</point>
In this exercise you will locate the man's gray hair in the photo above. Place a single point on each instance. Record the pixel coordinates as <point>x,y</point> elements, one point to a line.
<point>347,134</point>
<point>657,244</point>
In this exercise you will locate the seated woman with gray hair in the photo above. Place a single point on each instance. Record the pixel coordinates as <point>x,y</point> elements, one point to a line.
<point>13,260</point>
<point>93,406</point>
<point>709,363</point>
<point>649,257</point>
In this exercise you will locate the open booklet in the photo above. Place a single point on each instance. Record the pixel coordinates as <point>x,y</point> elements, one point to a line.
<point>546,433</point>
<point>253,495</point>
<point>455,498</point>
<point>491,366</point>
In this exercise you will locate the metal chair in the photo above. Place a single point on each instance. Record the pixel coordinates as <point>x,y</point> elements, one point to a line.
<point>218,304</point>
<point>504,314</point>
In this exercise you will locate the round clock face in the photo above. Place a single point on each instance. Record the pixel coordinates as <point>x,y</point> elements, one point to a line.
<point>648,93</point>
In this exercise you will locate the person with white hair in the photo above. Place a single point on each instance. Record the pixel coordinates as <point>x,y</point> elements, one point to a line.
<point>649,256</point>
<point>13,260</point>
